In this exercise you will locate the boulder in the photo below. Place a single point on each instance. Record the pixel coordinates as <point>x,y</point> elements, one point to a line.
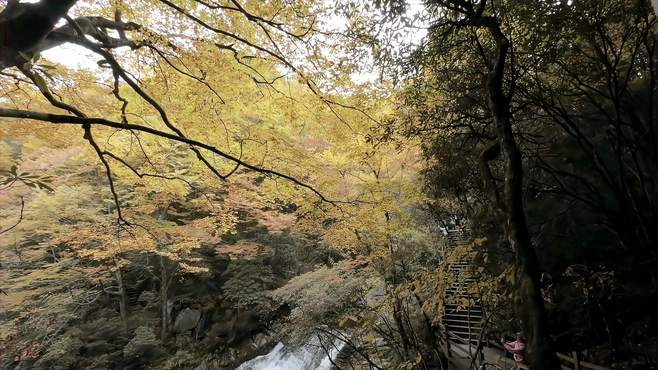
<point>259,341</point>
<point>186,320</point>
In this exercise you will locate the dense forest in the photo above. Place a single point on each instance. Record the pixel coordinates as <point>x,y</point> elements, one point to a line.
<point>328,184</point>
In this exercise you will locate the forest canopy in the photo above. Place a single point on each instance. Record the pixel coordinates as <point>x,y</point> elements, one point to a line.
<point>328,183</point>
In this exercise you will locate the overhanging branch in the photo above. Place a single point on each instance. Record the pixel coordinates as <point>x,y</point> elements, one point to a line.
<point>20,218</point>
<point>94,121</point>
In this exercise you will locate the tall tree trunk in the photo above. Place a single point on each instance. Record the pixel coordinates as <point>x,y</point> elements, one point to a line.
<point>397,304</point>
<point>123,298</point>
<point>23,26</point>
<point>399,322</point>
<point>528,301</point>
<point>164,297</point>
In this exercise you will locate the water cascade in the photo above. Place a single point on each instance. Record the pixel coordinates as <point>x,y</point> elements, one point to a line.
<point>310,356</point>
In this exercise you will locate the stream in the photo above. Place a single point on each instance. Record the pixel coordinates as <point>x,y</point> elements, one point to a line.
<point>307,357</point>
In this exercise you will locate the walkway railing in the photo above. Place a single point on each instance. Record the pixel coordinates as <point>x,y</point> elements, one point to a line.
<point>461,351</point>
<point>577,364</point>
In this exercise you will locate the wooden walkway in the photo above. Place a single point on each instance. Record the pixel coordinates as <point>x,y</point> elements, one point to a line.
<point>462,323</point>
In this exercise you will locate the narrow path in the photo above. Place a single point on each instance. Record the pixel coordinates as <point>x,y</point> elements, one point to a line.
<point>463,316</point>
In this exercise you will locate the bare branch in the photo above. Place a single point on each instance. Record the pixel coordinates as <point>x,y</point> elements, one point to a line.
<point>108,171</point>
<point>144,174</point>
<point>20,218</point>
<point>67,119</point>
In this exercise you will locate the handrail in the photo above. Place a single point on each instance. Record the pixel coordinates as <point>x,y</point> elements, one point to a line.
<point>573,359</point>
<point>579,363</point>
<point>452,236</point>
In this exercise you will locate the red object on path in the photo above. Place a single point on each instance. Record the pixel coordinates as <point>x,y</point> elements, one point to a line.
<point>517,348</point>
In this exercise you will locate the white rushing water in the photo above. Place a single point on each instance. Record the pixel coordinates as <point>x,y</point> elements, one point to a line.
<point>307,357</point>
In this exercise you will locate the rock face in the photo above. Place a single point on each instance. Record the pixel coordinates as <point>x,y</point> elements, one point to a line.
<point>186,320</point>
<point>259,341</point>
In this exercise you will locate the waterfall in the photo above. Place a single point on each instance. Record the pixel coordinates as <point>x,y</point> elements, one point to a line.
<point>310,356</point>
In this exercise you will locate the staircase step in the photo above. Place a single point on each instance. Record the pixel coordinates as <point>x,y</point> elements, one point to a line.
<point>460,284</point>
<point>474,305</point>
<point>450,307</point>
<point>463,318</point>
<point>463,338</point>
<point>460,291</point>
<point>464,331</point>
<point>463,313</point>
<point>452,296</point>
<point>472,318</point>
<point>456,307</point>
<point>462,328</point>
<point>457,301</point>
<point>452,322</point>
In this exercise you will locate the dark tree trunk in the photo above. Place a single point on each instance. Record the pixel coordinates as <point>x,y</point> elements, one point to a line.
<point>123,299</point>
<point>399,322</point>
<point>528,301</point>
<point>165,280</point>
<point>24,25</point>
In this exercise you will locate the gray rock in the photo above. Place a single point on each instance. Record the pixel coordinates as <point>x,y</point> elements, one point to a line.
<point>260,341</point>
<point>186,320</point>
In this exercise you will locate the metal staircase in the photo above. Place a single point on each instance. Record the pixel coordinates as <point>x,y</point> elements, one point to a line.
<point>462,321</point>
<point>462,317</point>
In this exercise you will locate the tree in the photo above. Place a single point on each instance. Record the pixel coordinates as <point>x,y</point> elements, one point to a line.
<point>245,34</point>
<point>166,232</point>
<point>475,17</point>
<point>593,104</point>
<point>592,64</point>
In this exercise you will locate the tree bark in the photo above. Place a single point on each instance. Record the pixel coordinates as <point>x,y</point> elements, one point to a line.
<point>528,301</point>
<point>123,299</point>
<point>24,25</point>
<point>164,296</point>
